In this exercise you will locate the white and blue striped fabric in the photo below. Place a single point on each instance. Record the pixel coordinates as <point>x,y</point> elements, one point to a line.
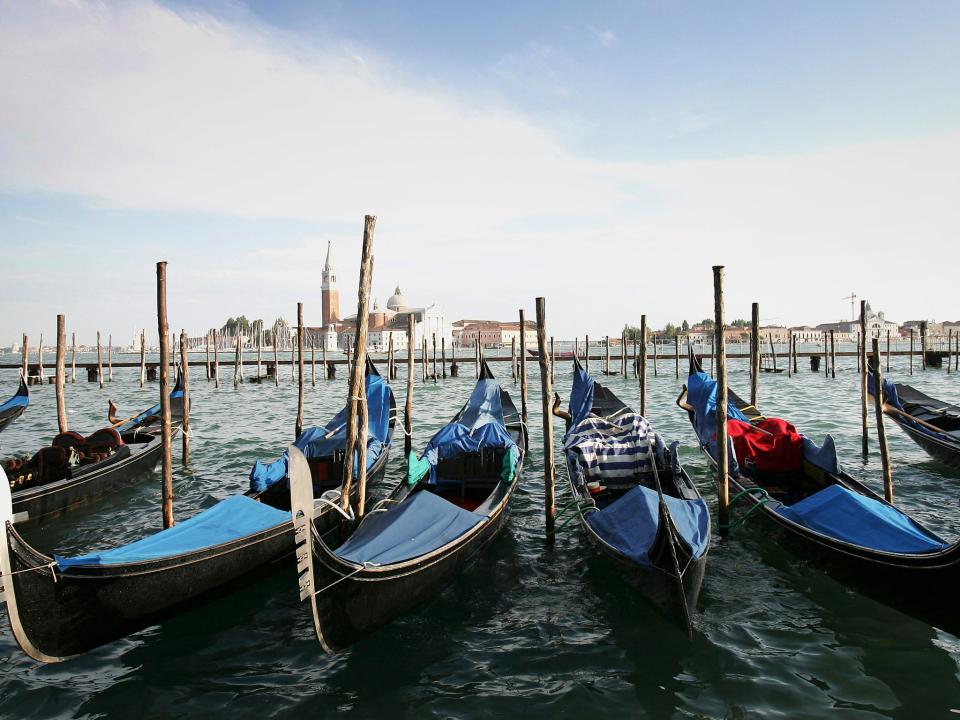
<point>612,448</point>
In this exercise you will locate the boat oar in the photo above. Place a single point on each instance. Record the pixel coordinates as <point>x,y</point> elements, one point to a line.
<point>887,408</point>
<point>668,524</point>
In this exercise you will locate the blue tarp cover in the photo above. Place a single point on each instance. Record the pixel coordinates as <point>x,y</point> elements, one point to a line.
<point>417,526</point>
<point>581,396</point>
<point>855,518</point>
<point>314,443</point>
<point>480,426</point>
<point>231,519</point>
<point>630,524</point>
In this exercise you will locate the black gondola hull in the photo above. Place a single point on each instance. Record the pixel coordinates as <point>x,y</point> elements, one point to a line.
<point>92,482</point>
<point>940,450</point>
<point>371,598</point>
<point>72,612</point>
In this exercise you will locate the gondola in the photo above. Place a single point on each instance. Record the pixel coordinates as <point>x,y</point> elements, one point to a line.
<point>14,407</point>
<point>75,470</point>
<point>809,505</point>
<point>933,424</point>
<point>635,502</point>
<point>453,502</point>
<point>60,607</point>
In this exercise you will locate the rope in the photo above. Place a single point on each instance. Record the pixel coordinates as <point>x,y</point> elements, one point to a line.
<point>52,564</point>
<point>584,508</point>
<point>360,569</point>
<point>335,506</point>
<point>763,500</point>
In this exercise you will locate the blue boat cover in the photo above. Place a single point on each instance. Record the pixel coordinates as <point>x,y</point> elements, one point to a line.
<point>630,523</point>
<point>15,401</point>
<point>854,518</point>
<point>581,395</point>
<point>419,525</point>
<point>480,425</point>
<point>316,442</point>
<point>231,519</point>
<point>155,410</point>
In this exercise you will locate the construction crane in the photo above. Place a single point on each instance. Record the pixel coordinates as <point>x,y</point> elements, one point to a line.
<point>852,297</point>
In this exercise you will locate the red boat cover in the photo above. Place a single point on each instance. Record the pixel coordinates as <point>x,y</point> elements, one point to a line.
<point>774,445</point>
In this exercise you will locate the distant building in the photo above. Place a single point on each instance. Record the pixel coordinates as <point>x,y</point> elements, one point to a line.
<point>492,333</point>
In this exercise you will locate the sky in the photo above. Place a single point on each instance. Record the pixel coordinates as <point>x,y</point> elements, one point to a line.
<point>602,155</point>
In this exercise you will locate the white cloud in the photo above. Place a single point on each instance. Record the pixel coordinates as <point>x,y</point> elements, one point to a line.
<point>137,107</point>
<point>603,36</point>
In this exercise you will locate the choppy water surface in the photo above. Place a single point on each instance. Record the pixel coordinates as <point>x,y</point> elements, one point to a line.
<point>529,629</point>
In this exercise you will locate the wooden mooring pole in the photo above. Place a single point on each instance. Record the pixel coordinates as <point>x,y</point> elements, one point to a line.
<point>434,341</point>
<point>216,357</point>
<point>185,426</point>
<point>833,356</point>
<point>298,427</point>
<point>143,357</point>
<point>24,350</point>
<point>73,357</point>
<point>209,374</point>
<point>586,353</point>
<point>606,363</point>
<point>552,364</point>
<point>513,359</point>
<point>826,355</point>
<point>643,365</point>
<point>110,358</point>
<point>863,374</point>
<point>911,351</point>
<point>888,351</point>
<point>676,353</point>
<point>523,366</point>
<point>923,344</point>
<point>881,430</point>
<point>723,472</point>
<point>655,353</point>
<point>754,344</point>
<point>623,353</point>
<point>790,354</point>
<point>99,360</point>
<point>443,356</point>
<point>165,434</point>
<point>408,407</point>
<point>61,374</point>
<point>546,394</point>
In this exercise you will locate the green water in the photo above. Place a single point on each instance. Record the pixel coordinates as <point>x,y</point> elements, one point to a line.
<point>528,629</point>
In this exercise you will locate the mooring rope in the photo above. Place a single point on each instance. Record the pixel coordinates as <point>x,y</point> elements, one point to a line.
<point>763,500</point>
<point>364,566</point>
<point>51,564</point>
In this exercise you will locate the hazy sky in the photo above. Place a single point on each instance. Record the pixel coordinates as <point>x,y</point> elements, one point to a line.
<point>603,155</point>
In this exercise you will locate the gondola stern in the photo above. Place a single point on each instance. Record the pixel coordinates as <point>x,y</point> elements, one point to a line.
<point>302,512</point>
<point>6,572</point>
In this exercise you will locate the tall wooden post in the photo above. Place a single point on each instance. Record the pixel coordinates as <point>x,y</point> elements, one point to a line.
<point>236,361</point>
<point>24,359</point>
<point>110,358</point>
<point>73,357</point>
<point>881,430</point>
<point>754,346</point>
<point>323,357</point>
<point>165,434</point>
<point>923,344</point>
<point>523,367</point>
<point>61,376</point>
<point>357,398</point>
<point>298,427</point>
<point>676,353</point>
<point>454,368</point>
<point>433,337</point>
<point>99,360</point>
<point>826,354</point>
<point>185,426</point>
<point>636,357</point>
<point>790,353</point>
<point>40,360</point>
<point>888,351</point>
<point>276,361</point>
<point>443,356</point>
<point>794,355</point>
<point>209,373</point>
<point>606,355</point>
<point>216,357</point>
<point>546,395</point>
<point>313,359</point>
<point>408,408</point>
<point>833,356</point>
<point>143,357</point>
<point>723,472</point>
<point>423,356</point>
<point>293,360</point>
<point>513,358</point>
<point>911,351</point>
<point>949,350</point>
<point>551,359</point>
<point>643,365</point>
<point>773,352</point>
<point>863,372</point>
<point>476,355</point>
<point>586,353</point>
<point>655,353</point>
<point>623,353</point>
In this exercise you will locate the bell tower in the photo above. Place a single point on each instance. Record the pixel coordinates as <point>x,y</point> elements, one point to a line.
<point>330,298</point>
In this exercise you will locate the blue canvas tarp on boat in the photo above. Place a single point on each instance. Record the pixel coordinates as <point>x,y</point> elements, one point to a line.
<point>630,523</point>
<point>317,442</point>
<point>417,526</point>
<point>861,520</point>
<point>230,519</point>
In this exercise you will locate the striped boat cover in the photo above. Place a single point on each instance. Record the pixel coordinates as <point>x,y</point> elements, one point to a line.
<point>614,447</point>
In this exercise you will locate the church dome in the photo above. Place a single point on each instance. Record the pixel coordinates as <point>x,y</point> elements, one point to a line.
<point>397,302</point>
